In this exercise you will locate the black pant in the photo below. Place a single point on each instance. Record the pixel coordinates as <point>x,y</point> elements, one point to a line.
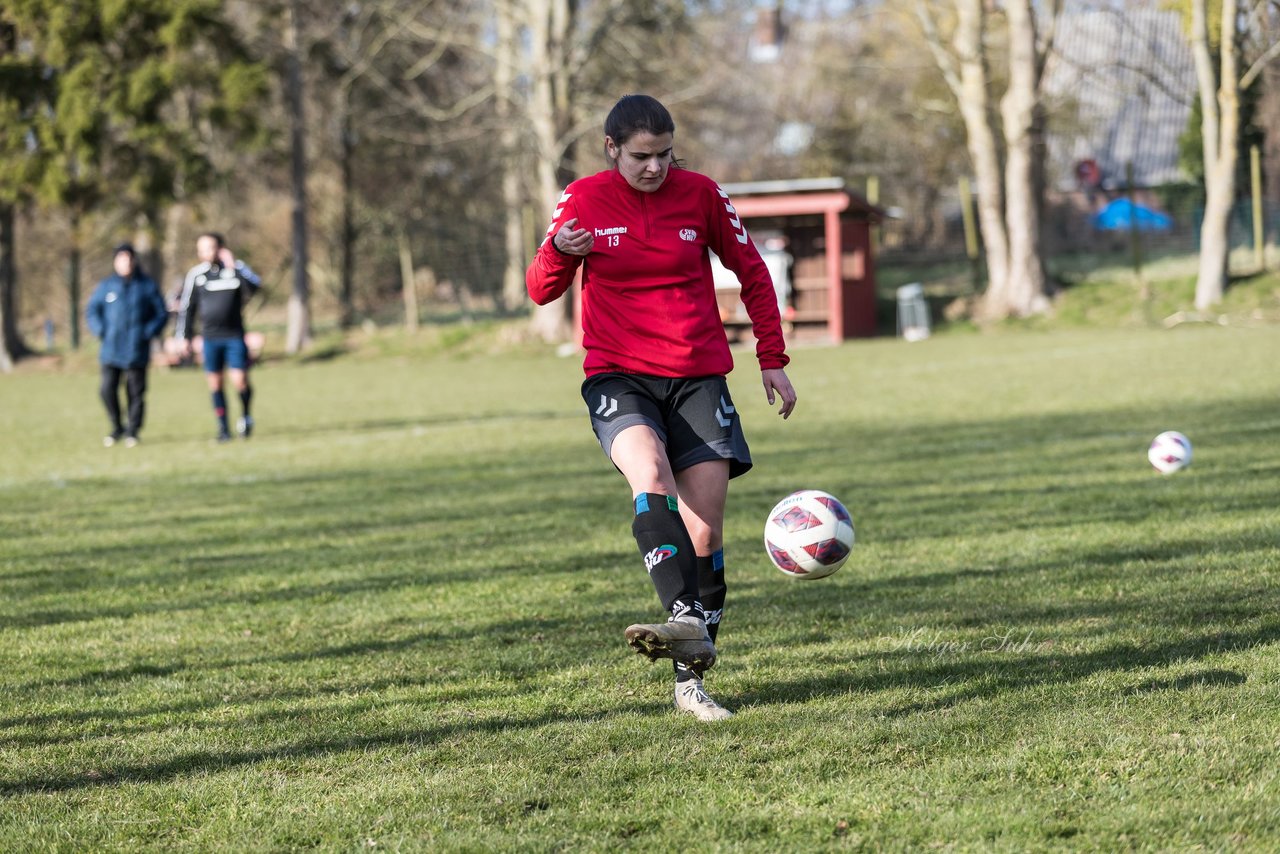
<point>135,385</point>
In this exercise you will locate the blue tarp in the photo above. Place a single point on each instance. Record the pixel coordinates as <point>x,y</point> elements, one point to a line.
<point>1121,215</point>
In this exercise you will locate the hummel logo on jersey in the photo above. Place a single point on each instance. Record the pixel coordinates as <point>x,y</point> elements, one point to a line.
<point>658,555</point>
<point>688,235</point>
<point>555,215</point>
<point>727,409</point>
<point>738,231</point>
<point>607,407</point>
<point>606,232</point>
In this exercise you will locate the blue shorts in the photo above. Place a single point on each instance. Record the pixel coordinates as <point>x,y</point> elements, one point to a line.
<point>225,352</point>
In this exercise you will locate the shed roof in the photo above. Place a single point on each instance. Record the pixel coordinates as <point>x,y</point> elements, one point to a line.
<point>798,197</point>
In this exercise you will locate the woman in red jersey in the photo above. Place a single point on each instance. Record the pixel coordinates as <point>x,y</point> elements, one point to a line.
<point>656,359</point>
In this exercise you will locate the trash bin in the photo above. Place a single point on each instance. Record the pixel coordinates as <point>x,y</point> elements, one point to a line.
<point>913,313</point>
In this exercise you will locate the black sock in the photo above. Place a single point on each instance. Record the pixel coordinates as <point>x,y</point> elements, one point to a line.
<point>668,553</point>
<point>220,409</point>
<point>245,397</point>
<point>711,591</point>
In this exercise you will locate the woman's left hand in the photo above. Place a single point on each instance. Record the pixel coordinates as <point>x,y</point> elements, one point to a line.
<point>775,379</point>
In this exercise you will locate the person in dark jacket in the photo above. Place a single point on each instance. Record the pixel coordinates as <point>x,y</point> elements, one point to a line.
<point>126,311</point>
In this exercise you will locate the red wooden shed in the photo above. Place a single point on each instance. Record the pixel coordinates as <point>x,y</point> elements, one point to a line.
<point>825,230</point>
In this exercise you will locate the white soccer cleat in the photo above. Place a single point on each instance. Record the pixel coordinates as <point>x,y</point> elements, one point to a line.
<point>693,700</point>
<point>683,639</point>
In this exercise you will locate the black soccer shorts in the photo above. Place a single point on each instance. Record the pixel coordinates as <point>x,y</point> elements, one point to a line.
<point>694,417</point>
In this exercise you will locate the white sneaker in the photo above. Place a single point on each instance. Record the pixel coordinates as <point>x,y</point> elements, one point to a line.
<point>244,427</point>
<point>131,441</point>
<point>692,699</point>
<point>682,639</point>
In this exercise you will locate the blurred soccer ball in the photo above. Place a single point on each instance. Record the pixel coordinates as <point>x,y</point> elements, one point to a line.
<point>808,534</point>
<point>1170,452</point>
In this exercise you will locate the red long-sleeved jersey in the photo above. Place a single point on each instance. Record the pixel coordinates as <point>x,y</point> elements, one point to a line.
<point>648,299</point>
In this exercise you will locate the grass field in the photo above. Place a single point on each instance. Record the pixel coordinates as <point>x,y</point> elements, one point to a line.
<point>392,620</point>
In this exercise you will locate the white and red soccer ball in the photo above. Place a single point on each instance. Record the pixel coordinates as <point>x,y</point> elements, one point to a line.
<point>808,534</point>
<point>1170,452</point>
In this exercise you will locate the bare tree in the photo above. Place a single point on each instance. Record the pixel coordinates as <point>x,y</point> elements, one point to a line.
<point>1220,93</point>
<point>345,41</point>
<point>965,69</point>
<point>421,79</point>
<point>545,64</point>
<point>580,54</point>
<point>1005,155</point>
<point>11,344</point>
<point>549,23</point>
<point>345,65</point>
<point>1024,289</point>
<point>506,110</point>
<point>298,333</point>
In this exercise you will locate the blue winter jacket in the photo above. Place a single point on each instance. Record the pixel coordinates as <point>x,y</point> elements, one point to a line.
<point>126,314</point>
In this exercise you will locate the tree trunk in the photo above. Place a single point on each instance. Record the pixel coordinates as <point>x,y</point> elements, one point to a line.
<point>562,12</point>
<point>1211,276</point>
<point>73,293</point>
<point>1023,291</point>
<point>12,347</point>
<point>983,150</point>
<point>513,289</point>
<point>975,109</point>
<point>73,283</point>
<point>408,282</point>
<point>298,334</point>
<point>346,291</point>
<point>1009,196</point>
<point>148,243</point>
<point>551,321</point>
<point>1220,106</point>
<point>173,252</point>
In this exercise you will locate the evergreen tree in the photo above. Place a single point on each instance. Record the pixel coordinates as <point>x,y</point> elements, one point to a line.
<point>140,100</point>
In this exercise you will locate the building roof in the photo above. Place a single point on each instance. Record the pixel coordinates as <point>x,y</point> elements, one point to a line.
<point>796,185</point>
<point>1130,76</point>
<point>798,196</point>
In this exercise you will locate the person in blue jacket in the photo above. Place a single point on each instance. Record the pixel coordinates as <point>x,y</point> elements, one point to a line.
<point>126,311</point>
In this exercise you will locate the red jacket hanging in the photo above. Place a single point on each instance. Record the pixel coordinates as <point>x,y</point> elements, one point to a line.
<point>648,300</point>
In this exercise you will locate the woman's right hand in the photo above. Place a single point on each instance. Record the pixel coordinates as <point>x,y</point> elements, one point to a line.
<point>574,241</point>
<point>775,379</point>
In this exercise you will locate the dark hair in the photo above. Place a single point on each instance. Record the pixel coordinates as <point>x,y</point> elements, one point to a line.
<point>217,238</point>
<point>635,114</point>
<point>127,248</point>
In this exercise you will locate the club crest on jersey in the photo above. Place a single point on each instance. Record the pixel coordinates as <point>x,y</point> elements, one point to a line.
<point>658,555</point>
<point>688,235</point>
